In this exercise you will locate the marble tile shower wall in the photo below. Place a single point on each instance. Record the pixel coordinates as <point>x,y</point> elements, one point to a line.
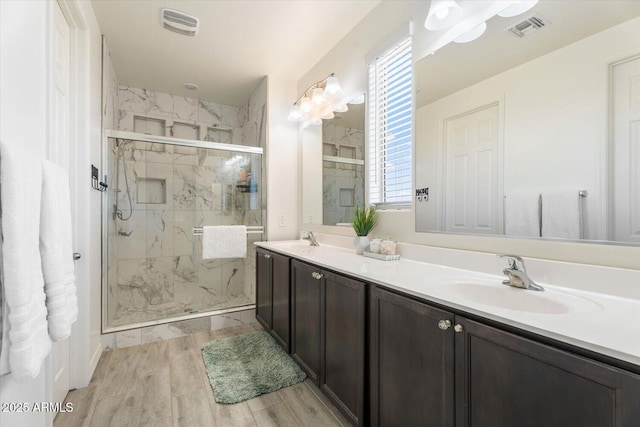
<point>173,112</point>
<point>342,184</point>
<point>155,269</point>
<point>159,269</point>
<point>210,120</point>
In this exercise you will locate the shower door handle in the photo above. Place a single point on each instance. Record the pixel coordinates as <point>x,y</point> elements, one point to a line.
<point>76,256</point>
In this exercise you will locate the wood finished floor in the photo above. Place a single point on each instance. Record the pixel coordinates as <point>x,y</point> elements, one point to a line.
<point>165,384</point>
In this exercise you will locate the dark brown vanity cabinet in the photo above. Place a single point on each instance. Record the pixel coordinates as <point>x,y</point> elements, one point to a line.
<point>431,368</point>
<point>273,294</point>
<point>411,362</point>
<point>305,317</point>
<point>503,379</point>
<point>328,334</point>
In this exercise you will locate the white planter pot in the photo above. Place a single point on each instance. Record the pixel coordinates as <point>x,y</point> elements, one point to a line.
<point>361,243</point>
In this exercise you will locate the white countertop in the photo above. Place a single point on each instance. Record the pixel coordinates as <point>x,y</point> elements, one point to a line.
<point>602,323</point>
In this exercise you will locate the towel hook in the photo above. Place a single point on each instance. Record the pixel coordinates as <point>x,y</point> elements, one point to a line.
<point>95,184</point>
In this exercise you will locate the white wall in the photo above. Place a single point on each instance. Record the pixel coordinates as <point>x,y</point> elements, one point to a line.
<point>282,161</point>
<point>346,59</point>
<point>23,121</point>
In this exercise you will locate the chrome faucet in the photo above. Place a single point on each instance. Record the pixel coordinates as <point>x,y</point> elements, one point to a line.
<point>311,238</point>
<point>517,274</point>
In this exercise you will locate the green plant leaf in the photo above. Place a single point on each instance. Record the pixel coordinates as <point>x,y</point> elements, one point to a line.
<point>364,220</point>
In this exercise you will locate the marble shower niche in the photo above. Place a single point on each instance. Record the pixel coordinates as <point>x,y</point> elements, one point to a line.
<point>157,194</point>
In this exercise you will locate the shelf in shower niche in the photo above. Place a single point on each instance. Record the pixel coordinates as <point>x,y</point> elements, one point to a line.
<point>247,188</point>
<point>151,191</point>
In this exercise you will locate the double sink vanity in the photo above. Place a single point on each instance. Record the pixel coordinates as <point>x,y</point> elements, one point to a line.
<point>412,343</point>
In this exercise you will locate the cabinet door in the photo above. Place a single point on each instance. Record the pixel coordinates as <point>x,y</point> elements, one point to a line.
<point>305,309</point>
<point>506,380</point>
<point>263,288</point>
<point>412,362</point>
<point>280,267</point>
<point>343,314</point>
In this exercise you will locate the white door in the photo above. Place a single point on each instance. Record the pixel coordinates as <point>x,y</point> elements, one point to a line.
<point>59,152</point>
<point>472,193</point>
<point>626,152</point>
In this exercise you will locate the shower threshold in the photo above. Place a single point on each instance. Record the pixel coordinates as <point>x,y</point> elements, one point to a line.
<point>172,319</point>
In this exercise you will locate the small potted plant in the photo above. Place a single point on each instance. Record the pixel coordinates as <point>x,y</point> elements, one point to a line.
<point>363,222</point>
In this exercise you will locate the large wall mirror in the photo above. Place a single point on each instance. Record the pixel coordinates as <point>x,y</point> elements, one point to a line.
<point>535,134</point>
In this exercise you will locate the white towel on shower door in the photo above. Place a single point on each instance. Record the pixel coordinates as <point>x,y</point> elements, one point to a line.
<point>522,214</point>
<point>56,251</point>
<point>561,214</point>
<point>23,285</point>
<point>224,241</point>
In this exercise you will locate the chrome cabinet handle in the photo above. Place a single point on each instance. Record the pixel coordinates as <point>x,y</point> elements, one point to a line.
<point>458,328</point>
<point>317,275</point>
<point>267,256</point>
<point>444,324</point>
<point>76,256</point>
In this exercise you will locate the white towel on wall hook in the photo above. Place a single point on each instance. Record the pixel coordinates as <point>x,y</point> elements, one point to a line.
<point>23,285</point>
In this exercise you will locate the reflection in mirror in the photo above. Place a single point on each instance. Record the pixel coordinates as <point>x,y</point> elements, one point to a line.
<point>540,137</point>
<point>343,165</point>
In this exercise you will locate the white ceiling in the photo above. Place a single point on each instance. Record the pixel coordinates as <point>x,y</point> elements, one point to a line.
<point>239,42</point>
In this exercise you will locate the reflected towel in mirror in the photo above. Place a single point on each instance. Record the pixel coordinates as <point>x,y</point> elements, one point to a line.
<point>522,214</point>
<point>561,214</point>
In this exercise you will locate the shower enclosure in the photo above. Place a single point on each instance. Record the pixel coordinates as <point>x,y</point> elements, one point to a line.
<point>160,190</point>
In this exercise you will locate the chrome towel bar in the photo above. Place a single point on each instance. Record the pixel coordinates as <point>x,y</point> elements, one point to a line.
<point>258,229</point>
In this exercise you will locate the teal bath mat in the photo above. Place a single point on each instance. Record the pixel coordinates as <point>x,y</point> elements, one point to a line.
<point>247,366</point>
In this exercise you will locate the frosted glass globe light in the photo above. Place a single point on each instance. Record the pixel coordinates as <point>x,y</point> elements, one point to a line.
<point>442,14</point>
<point>472,34</point>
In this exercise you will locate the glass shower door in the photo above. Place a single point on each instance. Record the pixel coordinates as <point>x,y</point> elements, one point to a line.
<point>158,193</point>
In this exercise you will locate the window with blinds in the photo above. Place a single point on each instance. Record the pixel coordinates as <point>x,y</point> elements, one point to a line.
<point>390,127</point>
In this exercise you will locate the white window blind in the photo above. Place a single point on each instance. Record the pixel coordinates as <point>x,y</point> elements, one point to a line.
<point>390,127</point>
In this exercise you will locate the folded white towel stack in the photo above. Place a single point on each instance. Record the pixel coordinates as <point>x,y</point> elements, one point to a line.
<point>561,214</point>
<point>226,241</point>
<point>21,180</point>
<point>522,214</point>
<point>56,251</point>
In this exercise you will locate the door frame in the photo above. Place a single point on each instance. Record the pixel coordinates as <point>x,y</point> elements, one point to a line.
<point>608,208</point>
<point>80,361</point>
<point>443,121</point>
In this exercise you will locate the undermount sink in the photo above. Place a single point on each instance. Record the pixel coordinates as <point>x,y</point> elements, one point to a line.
<point>495,294</point>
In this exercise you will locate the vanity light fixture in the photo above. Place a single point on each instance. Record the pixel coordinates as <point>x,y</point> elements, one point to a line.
<point>470,20</point>
<point>442,14</point>
<point>472,34</point>
<point>517,8</point>
<point>319,102</point>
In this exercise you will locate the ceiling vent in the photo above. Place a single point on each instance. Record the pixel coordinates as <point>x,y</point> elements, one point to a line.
<point>179,22</point>
<point>528,26</point>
